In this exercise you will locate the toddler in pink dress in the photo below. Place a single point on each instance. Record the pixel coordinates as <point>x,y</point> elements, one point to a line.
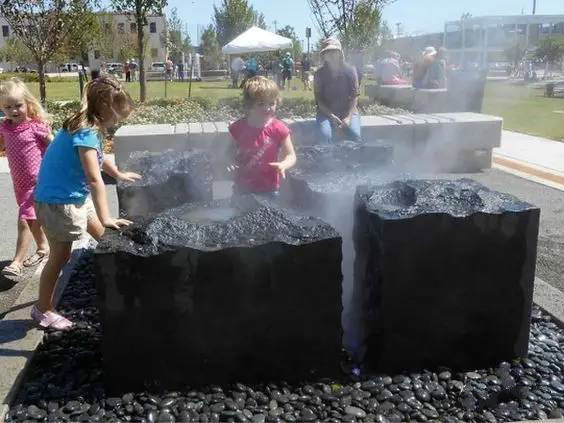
<point>25,134</point>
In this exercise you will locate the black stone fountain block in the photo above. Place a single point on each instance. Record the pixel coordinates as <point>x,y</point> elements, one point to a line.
<point>325,171</point>
<point>447,272</point>
<point>219,292</point>
<point>170,179</point>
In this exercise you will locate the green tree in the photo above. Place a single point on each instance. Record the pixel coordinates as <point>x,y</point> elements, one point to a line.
<point>354,22</point>
<point>515,53</point>
<point>289,32</point>
<point>140,10</point>
<point>233,17</point>
<point>550,49</point>
<point>211,51</point>
<point>16,52</point>
<point>44,26</point>
<point>174,39</point>
<point>77,47</point>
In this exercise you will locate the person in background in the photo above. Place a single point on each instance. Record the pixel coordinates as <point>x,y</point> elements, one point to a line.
<point>169,68</point>
<point>251,67</point>
<point>127,70</point>
<point>180,67</point>
<point>25,134</point>
<point>261,149</point>
<point>307,74</point>
<point>336,92</point>
<point>287,69</point>
<point>70,196</point>
<point>437,71</point>
<point>133,69</point>
<point>389,70</point>
<point>421,67</point>
<point>237,66</point>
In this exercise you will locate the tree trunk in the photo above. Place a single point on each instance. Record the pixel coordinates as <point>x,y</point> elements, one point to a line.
<point>141,53</point>
<point>42,87</point>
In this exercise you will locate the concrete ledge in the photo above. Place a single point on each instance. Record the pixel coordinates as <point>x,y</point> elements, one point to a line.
<point>19,338</point>
<point>407,97</point>
<point>452,132</point>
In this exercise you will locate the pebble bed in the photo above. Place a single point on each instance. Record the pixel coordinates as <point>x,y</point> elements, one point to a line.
<point>64,384</point>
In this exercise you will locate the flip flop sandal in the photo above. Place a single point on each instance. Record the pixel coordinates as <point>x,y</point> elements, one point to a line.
<point>50,319</point>
<point>12,270</point>
<point>37,258</point>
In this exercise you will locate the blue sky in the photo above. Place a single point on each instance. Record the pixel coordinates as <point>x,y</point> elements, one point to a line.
<point>416,16</point>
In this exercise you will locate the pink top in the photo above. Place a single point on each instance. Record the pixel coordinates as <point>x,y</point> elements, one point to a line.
<point>25,147</point>
<point>256,148</point>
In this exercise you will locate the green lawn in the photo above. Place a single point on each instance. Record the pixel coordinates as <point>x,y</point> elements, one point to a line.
<point>525,109</point>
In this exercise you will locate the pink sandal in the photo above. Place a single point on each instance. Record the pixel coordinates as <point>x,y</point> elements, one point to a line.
<point>50,319</point>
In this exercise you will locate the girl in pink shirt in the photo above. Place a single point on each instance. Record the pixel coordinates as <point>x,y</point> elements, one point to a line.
<point>25,134</point>
<point>262,146</point>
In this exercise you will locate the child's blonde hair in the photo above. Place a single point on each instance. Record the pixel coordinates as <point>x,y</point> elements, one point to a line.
<point>260,89</point>
<point>101,95</point>
<point>15,87</point>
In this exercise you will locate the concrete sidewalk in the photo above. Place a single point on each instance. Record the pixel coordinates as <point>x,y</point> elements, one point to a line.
<point>535,158</point>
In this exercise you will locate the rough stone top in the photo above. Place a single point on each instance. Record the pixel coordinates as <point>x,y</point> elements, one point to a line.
<point>458,198</point>
<point>156,168</point>
<point>216,225</point>
<point>344,156</point>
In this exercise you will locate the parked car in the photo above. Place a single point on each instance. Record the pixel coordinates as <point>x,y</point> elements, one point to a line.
<point>115,67</point>
<point>158,66</point>
<point>69,67</point>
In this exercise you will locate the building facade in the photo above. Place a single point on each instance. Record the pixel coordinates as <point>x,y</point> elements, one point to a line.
<point>482,40</point>
<point>117,43</point>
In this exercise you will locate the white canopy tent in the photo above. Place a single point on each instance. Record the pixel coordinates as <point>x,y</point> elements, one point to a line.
<point>255,40</point>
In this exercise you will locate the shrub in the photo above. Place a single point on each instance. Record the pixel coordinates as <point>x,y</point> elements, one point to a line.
<point>25,77</point>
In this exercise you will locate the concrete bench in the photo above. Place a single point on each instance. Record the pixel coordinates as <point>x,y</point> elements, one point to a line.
<point>407,97</point>
<point>457,136</point>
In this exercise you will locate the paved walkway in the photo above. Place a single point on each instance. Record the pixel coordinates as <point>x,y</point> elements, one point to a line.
<point>539,159</point>
<point>11,288</point>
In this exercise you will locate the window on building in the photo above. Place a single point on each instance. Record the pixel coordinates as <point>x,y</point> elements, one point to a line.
<point>154,53</point>
<point>121,28</point>
<point>5,31</point>
<point>153,27</point>
<point>133,27</point>
<point>559,28</point>
<point>96,54</point>
<point>545,28</point>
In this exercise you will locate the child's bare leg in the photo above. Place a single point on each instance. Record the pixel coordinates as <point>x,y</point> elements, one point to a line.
<point>39,236</point>
<point>58,257</point>
<point>95,227</point>
<point>23,242</point>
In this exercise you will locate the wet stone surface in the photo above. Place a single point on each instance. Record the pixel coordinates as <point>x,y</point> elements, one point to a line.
<point>446,273</point>
<point>169,179</point>
<point>221,291</point>
<point>65,384</point>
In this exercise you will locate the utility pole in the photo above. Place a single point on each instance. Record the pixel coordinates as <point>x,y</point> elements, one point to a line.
<point>398,26</point>
<point>534,6</point>
<point>275,22</point>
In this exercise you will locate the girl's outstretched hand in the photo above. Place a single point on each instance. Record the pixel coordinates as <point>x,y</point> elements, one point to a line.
<point>116,223</point>
<point>280,167</point>
<point>129,176</point>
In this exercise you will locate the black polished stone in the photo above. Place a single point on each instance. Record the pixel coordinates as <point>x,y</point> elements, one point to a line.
<point>169,179</point>
<point>448,268</point>
<point>219,292</point>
